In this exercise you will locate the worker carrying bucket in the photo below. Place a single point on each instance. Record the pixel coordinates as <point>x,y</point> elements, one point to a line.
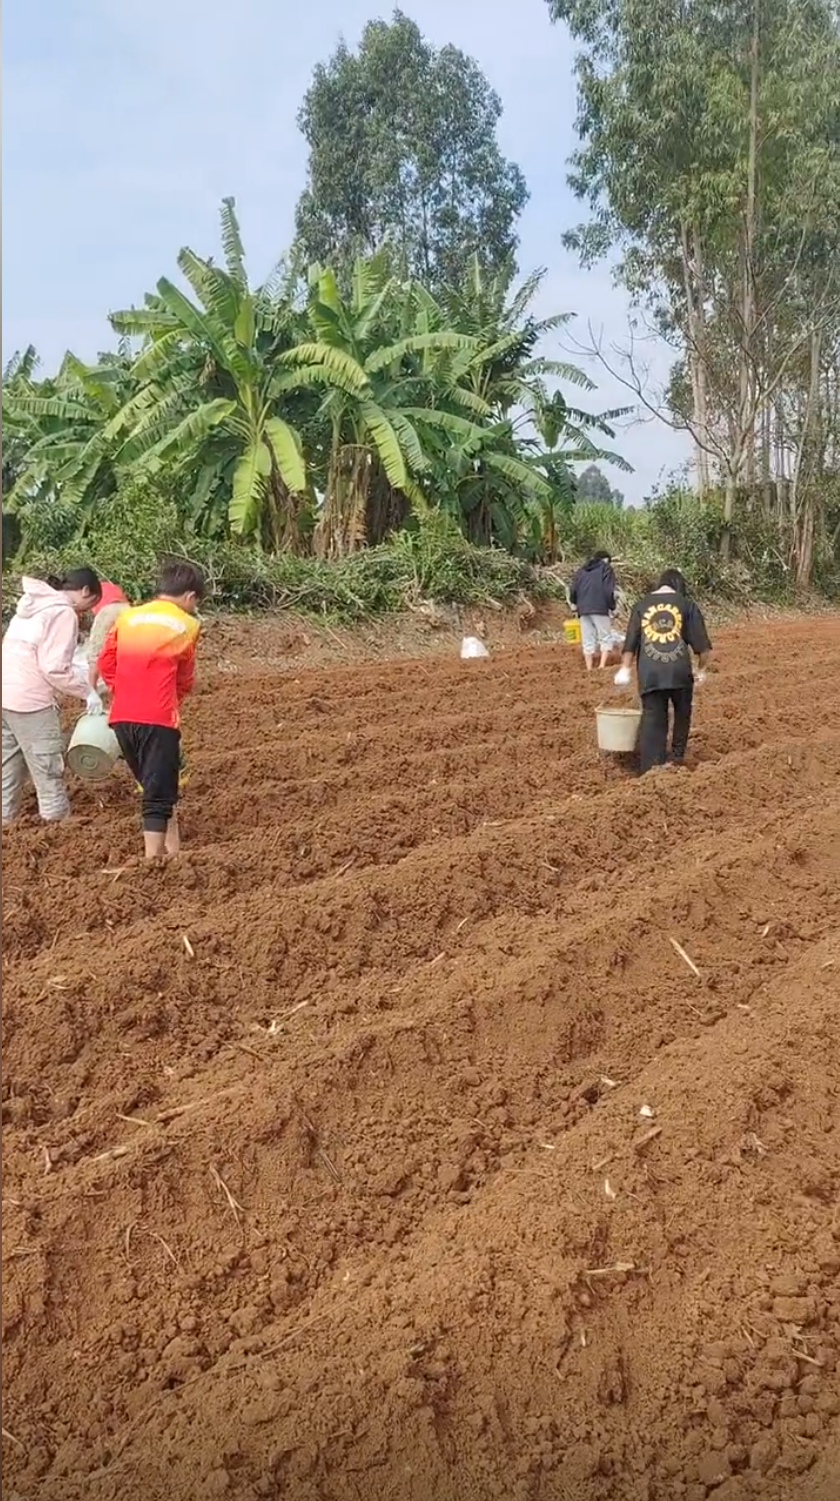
<point>592,596</point>
<point>665,628</point>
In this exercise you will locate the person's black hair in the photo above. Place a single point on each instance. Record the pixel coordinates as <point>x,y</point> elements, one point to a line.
<point>178,576</point>
<point>671,578</point>
<point>77,578</point>
<point>600,557</point>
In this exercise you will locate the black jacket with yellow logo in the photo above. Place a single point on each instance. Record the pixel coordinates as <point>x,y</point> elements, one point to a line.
<point>663,631</point>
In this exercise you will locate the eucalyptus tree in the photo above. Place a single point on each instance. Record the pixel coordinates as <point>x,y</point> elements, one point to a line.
<point>403,152</point>
<point>710,158</point>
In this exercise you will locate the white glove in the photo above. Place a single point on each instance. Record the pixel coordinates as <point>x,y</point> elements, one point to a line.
<point>93,703</point>
<point>623,677</point>
<point>700,677</point>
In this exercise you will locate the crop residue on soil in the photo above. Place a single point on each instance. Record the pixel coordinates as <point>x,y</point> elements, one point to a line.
<point>458,1119</point>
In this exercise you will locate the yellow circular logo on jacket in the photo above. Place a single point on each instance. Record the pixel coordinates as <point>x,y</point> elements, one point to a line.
<point>662,624</point>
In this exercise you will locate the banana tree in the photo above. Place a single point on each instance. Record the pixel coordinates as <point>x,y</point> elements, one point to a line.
<point>397,399</point>
<point>513,486</point>
<point>61,444</point>
<point>367,353</point>
<point>207,403</point>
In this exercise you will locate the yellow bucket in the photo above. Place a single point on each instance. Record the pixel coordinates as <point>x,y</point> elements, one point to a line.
<point>571,632</point>
<point>183,777</point>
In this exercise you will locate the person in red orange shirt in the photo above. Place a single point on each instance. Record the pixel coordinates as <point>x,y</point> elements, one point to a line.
<point>148,666</point>
<point>105,613</point>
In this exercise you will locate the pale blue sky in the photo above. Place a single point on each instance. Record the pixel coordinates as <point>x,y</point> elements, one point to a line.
<point>126,121</point>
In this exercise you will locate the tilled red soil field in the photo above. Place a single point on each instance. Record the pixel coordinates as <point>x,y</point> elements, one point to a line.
<point>458,1120</point>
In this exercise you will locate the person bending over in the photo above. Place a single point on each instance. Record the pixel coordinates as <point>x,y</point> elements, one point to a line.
<point>664,628</point>
<point>109,608</point>
<point>592,595</point>
<point>148,666</point>
<point>38,652</point>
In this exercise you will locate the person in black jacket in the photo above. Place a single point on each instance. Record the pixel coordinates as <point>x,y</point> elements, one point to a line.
<point>592,595</point>
<point>664,629</point>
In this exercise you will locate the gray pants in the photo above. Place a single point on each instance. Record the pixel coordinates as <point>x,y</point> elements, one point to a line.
<point>595,634</point>
<point>33,747</point>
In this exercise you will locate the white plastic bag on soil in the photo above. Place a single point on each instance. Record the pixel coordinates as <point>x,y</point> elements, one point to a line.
<point>472,647</point>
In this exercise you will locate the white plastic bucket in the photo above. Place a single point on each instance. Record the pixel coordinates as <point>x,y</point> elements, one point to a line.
<point>618,729</point>
<point>93,748</point>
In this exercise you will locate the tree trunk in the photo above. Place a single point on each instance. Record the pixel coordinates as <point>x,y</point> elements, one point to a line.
<point>280,516</point>
<point>767,464</point>
<point>387,509</point>
<point>743,438</point>
<point>695,313</point>
<point>804,497</point>
<point>341,529</point>
<point>749,353</point>
<point>729,495</point>
<point>805,540</point>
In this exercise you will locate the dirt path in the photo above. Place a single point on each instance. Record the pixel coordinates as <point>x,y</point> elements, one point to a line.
<point>457,1121</point>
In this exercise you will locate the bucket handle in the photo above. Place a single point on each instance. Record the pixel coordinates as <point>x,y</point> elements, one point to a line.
<point>636,704</point>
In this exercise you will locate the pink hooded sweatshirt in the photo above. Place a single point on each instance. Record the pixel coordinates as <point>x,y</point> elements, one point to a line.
<point>38,650</point>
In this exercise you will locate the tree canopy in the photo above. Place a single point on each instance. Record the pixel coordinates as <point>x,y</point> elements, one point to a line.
<point>709,158</point>
<point>592,484</point>
<point>403,153</point>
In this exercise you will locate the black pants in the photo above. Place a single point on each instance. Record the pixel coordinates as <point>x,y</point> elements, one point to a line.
<point>152,753</point>
<point>653,736</point>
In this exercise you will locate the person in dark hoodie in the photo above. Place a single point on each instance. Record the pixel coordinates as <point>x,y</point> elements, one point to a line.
<point>592,595</point>
<point>664,629</point>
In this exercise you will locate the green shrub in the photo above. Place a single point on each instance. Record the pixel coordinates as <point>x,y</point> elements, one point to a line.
<point>431,560</point>
<point>595,524</point>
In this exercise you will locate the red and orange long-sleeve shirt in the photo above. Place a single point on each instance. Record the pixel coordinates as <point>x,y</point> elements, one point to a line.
<point>111,594</point>
<point>148,663</point>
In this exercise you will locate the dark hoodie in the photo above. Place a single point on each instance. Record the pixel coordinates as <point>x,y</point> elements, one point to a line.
<point>665,627</point>
<point>593,588</point>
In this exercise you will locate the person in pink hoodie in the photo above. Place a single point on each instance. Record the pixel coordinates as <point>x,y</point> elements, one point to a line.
<point>38,650</point>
